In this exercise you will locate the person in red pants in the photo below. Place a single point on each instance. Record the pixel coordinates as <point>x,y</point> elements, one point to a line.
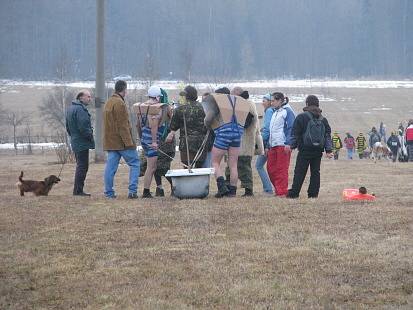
<point>279,152</point>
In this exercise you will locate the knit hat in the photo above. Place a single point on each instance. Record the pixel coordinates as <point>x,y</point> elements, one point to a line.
<point>267,97</point>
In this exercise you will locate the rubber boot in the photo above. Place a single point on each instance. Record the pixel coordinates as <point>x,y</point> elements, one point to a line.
<point>222,188</point>
<point>146,193</point>
<point>248,193</point>
<point>159,192</point>
<point>232,191</point>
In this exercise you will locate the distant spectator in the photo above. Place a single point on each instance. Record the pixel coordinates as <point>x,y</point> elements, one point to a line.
<point>394,145</point>
<point>337,145</point>
<point>361,143</point>
<point>382,131</point>
<point>409,139</point>
<point>350,145</point>
<point>374,137</point>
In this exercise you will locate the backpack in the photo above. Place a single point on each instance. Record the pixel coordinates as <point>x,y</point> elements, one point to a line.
<point>314,135</point>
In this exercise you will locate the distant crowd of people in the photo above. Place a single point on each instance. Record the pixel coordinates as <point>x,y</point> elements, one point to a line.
<point>399,143</point>
<point>224,124</point>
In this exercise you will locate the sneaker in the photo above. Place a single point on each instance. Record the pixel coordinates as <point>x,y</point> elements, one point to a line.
<point>132,196</point>
<point>159,192</point>
<point>110,197</point>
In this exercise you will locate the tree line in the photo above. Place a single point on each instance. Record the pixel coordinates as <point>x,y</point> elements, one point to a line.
<point>208,40</point>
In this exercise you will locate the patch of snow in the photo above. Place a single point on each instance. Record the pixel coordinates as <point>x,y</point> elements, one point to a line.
<point>382,109</point>
<point>10,146</point>
<point>271,84</point>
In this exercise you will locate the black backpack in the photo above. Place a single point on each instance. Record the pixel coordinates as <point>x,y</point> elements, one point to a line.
<point>314,135</point>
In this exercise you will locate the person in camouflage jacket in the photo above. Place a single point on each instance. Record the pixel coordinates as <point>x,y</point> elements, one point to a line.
<point>196,130</point>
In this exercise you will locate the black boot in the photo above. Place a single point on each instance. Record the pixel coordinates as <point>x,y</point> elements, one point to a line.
<point>146,193</point>
<point>248,193</point>
<point>232,191</point>
<point>222,188</point>
<point>159,192</point>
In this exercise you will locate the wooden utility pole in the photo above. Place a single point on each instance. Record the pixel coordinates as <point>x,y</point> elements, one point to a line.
<point>100,79</point>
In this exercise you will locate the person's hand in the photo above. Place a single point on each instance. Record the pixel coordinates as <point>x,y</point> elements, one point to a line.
<point>287,149</point>
<point>329,155</point>
<point>154,145</point>
<point>266,152</point>
<point>170,137</point>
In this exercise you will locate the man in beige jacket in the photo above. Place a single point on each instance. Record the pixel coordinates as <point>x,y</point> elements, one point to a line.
<point>251,144</point>
<point>118,142</point>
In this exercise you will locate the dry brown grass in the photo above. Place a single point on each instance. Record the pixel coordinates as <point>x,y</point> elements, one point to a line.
<point>63,252</point>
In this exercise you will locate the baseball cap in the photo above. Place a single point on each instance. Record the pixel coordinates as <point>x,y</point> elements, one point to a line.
<point>154,91</point>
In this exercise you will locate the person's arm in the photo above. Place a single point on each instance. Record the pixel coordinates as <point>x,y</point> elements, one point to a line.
<point>122,124</point>
<point>288,125</point>
<point>328,142</point>
<point>83,124</point>
<point>265,131</point>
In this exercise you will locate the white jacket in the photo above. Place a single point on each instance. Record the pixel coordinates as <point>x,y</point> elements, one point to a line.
<point>280,127</point>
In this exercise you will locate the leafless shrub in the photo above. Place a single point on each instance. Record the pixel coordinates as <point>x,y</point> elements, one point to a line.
<point>62,149</point>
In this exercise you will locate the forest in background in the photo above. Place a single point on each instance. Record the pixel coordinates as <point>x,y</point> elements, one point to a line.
<point>212,40</point>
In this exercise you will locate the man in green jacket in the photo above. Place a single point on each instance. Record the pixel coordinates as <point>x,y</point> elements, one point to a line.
<point>118,142</point>
<point>79,128</point>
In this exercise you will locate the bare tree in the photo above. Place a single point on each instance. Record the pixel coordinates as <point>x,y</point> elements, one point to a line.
<point>15,119</point>
<point>150,66</point>
<point>53,108</point>
<point>28,133</point>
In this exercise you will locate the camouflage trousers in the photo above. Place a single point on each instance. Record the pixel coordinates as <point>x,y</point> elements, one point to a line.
<point>244,172</point>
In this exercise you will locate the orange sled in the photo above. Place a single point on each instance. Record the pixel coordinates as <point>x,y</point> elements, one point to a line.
<point>351,194</point>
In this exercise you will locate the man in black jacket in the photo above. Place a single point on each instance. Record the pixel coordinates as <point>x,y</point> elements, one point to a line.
<point>309,155</point>
<point>79,128</point>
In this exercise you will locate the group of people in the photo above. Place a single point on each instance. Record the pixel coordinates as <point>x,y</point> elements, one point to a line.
<point>224,125</point>
<point>400,142</point>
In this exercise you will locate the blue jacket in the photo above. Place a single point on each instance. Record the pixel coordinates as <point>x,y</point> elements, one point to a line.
<point>265,131</point>
<point>79,127</point>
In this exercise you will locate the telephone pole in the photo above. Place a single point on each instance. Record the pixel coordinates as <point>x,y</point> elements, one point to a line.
<point>100,78</point>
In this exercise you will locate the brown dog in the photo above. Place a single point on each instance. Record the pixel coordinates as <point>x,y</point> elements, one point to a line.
<point>39,188</point>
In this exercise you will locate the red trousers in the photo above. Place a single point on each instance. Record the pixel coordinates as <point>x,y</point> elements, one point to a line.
<point>278,162</point>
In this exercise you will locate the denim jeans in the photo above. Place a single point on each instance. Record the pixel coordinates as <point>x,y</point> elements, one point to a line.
<point>132,159</point>
<point>259,165</point>
<point>350,153</point>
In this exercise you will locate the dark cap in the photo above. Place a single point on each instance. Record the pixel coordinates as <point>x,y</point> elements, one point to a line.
<point>190,93</point>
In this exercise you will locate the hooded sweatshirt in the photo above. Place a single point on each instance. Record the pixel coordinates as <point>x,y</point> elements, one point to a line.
<point>299,128</point>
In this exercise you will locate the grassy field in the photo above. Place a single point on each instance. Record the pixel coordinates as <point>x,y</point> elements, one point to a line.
<point>64,252</point>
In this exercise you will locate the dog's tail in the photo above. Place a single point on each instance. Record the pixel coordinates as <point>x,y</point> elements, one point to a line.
<point>21,177</point>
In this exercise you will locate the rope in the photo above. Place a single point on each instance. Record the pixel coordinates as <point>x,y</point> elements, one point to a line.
<point>187,146</point>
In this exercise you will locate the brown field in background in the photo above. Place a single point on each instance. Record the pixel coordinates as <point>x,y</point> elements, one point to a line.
<point>351,109</point>
<point>65,252</point>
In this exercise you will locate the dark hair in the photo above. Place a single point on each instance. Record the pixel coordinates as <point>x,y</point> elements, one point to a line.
<point>245,94</point>
<point>191,93</point>
<point>280,96</point>
<point>120,86</point>
<point>363,190</point>
<point>79,95</point>
<point>223,90</point>
<point>312,100</point>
